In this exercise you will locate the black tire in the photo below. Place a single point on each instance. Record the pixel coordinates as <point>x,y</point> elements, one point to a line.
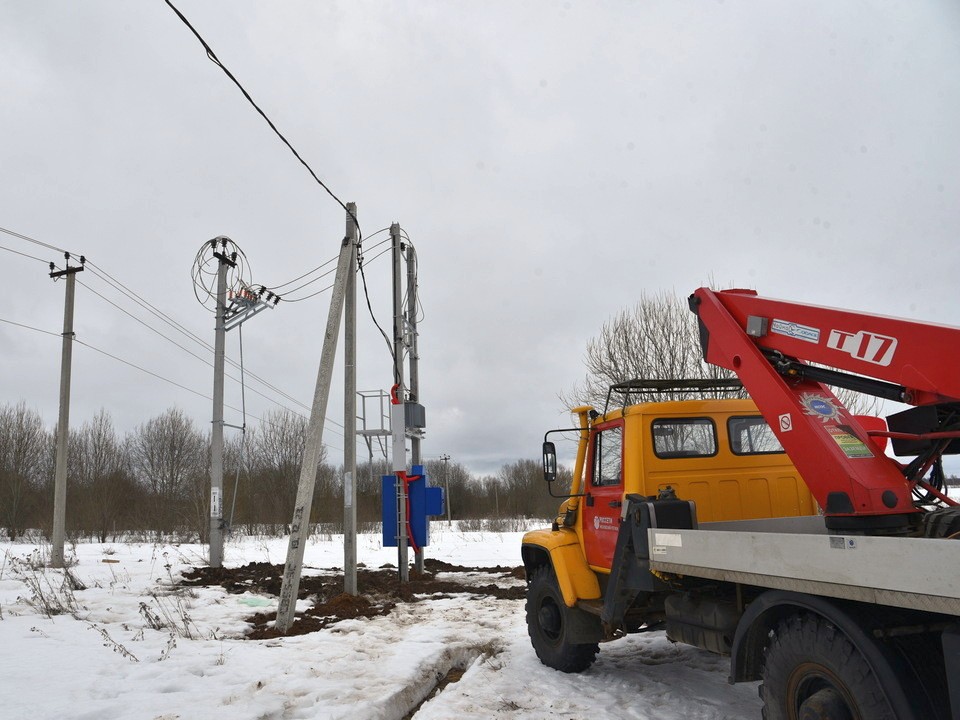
<point>547,620</point>
<point>812,671</point>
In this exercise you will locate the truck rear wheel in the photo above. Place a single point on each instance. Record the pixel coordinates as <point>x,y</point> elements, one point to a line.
<point>547,624</point>
<point>812,671</point>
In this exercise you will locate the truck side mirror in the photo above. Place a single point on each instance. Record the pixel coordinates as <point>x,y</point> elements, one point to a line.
<point>549,462</point>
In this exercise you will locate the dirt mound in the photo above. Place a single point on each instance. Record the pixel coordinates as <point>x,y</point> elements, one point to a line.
<point>380,591</point>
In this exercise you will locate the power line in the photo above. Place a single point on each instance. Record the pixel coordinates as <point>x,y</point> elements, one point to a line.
<point>33,240</point>
<point>130,294</point>
<point>318,292</point>
<point>17,252</point>
<point>165,379</point>
<point>189,352</point>
<point>123,289</point>
<point>31,327</point>
<point>142,369</point>
<point>117,285</point>
<point>216,61</point>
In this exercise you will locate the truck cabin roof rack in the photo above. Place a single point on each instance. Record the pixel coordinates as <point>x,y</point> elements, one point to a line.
<point>640,386</point>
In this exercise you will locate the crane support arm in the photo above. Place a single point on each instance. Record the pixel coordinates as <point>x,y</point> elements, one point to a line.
<point>766,343</point>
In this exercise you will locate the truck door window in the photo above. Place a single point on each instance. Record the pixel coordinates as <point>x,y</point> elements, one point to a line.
<point>752,436</point>
<point>608,457</point>
<point>684,437</point>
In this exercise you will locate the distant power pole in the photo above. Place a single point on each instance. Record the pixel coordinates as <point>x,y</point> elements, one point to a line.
<point>63,426</point>
<point>446,485</point>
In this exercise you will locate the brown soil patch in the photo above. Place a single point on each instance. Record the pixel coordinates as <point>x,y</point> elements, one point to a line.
<point>380,591</point>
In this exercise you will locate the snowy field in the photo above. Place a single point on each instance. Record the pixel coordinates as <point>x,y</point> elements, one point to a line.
<point>134,645</point>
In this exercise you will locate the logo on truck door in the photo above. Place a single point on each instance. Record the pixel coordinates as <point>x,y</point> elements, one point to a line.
<point>867,346</point>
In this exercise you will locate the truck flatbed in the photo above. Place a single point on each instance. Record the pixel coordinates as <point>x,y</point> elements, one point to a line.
<point>775,553</point>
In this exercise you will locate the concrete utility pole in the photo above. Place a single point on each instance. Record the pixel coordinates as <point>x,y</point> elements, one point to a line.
<point>216,439</point>
<point>398,417</point>
<point>350,412</point>
<point>244,304</point>
<point>411,328</point>
<point>63,425</point>
<point>300,530</point>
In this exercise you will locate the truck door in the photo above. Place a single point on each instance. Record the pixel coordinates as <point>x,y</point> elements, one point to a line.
<point>604,495</point>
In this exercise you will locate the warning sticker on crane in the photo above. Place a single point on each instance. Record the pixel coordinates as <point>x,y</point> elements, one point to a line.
<point>850,444</point>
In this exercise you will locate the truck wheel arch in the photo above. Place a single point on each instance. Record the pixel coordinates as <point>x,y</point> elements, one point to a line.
<point>562,553</point>
<point>766,612</point>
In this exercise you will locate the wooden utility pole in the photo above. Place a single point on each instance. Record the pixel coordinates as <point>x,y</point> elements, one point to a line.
<point>63,425</point>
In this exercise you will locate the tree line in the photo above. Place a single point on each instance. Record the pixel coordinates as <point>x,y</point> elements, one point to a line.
<point>154,480</point>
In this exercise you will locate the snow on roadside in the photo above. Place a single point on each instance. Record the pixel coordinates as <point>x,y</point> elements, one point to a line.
<point>113,662</point>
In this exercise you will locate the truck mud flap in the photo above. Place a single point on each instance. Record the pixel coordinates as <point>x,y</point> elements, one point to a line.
<point>630,573</point>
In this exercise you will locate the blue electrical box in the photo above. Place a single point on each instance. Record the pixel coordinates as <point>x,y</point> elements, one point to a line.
<point>425,502</point>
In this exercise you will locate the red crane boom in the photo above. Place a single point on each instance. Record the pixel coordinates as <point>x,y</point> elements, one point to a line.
<point>770,343</point>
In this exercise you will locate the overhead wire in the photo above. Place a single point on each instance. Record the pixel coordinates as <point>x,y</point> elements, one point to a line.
<point>212,56</point>
<point>328,287</point>
<point>216,61</point>
<point>33,240</point>
<point>123,289</point>
<point>209,363</point>
<point>23,254</point>
<point>117,285</point>
<point>31,327</point>
<point>332,260</point>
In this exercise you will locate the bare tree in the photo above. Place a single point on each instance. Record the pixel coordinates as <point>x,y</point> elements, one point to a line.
<point>169,455</point>
<point>655,339</point>
<point>276,452</point>
<point>102,477</point>
<point>23,444</point>
<point>658,339</point>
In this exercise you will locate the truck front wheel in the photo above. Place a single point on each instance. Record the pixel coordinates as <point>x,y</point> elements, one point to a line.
<point>813,672</point>
<point>548,620</point>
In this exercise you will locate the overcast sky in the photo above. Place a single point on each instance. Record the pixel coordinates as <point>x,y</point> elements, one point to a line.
<point>549,160</point>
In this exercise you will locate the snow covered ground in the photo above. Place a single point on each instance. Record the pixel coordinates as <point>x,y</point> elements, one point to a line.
<point>136,646</point>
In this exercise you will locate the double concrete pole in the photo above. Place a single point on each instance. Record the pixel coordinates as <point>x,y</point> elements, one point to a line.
<point>313,449</point>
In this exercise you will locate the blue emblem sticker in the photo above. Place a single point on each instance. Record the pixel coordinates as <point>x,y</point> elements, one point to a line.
<point>819,406</point>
